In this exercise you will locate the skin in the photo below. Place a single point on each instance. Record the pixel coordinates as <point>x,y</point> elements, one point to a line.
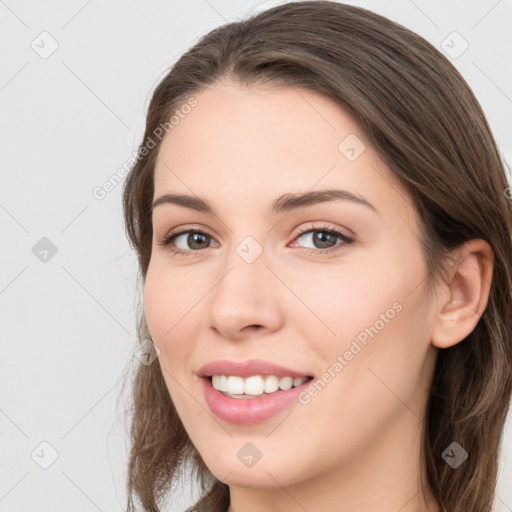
<point>356,445</point>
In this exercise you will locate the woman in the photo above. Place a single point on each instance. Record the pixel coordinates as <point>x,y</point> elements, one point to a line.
<point>369,369</point>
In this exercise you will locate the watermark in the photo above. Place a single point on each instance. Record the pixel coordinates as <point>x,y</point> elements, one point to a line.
<point>249,454</point>
<point>352,147</point>
<point>454,45</point>
<point>100,192</point>
<point>249,249</point>
<point>454,455</point>
<point>146,352</point>
<point>44,45</point>
<point>343,360</point>
<point>44,250</point>
<point>44,455</point>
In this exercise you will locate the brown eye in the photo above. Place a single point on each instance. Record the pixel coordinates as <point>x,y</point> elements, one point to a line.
<point>193,240</point>
<point>324,239</point>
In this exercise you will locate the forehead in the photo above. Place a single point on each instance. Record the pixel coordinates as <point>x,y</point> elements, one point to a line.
<point>244,123</point>
<point>245,146</point>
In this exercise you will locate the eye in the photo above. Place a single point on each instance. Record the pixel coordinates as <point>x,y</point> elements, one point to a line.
<point>190,237</point>
<point>323,237</point>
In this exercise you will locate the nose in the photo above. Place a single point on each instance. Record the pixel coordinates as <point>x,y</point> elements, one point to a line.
<point>247,298</point>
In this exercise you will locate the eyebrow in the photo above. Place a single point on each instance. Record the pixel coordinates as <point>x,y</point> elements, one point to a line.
<point>284,203</point>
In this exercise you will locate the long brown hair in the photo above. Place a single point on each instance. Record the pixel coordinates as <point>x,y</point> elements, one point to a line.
<point>428,127</point>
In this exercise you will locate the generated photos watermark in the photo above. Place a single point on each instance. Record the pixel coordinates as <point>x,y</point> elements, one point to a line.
<point>337,366</point>
<point>101,192</point>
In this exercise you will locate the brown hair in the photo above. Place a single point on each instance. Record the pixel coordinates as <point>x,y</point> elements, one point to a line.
<point>428,127</point>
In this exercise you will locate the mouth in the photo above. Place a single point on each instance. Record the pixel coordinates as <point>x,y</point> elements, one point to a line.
<point>255,386</point>
<point>244,408</point>
<point>251,391</point>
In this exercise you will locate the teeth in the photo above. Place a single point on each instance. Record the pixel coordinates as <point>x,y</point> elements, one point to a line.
<point>285,383</point>
<point>255,385</point>
<point>271,384</point>
<point>223,381</point>
<point>298,381</point>
<point>236,385</point>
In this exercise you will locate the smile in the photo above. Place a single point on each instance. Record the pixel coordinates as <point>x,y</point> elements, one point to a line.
<point>250,391</point>
<point>250,409</point>
<point>255,385</point>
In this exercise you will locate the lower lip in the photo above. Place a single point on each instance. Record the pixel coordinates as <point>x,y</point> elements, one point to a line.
<point>247,411</point>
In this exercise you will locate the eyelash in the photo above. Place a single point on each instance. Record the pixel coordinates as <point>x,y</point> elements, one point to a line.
<point>167,241</point>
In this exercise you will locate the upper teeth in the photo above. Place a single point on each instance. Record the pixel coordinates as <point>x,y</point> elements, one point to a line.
<point>254,385</point>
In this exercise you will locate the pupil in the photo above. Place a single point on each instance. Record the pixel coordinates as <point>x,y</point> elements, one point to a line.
<point>192,239</point>
<point>322,237</point>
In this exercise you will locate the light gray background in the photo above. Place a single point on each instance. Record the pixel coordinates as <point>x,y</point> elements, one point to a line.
<point>69,121</point>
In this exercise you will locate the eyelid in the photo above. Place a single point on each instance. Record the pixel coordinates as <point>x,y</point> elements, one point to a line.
<point>186,228</point>
<point>300,230</point>
<point>311,226</point>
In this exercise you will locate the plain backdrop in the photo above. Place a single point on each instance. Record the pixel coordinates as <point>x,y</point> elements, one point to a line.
<point>75,82</point>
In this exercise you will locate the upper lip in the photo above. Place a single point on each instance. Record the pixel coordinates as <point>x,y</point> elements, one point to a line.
<point>247,368</point>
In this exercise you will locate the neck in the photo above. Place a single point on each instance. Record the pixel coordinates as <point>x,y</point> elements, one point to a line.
<point>385,476</point>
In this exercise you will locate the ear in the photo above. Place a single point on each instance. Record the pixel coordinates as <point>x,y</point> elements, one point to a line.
<point>464,295</point>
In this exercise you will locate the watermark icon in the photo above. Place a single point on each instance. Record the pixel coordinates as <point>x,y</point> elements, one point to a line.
<point>44,455</point>
<point>351,147</point>
<point>249,249</point>
<point>147,352</point>
<point>44,250</point>
<point>454,45</point>
<point>343,360</point>
<point>45,45</point>
<point>249,454</point>
<point>100,192</point>
<point>454,455</point>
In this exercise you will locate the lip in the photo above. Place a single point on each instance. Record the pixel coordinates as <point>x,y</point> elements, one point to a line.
<point>246,411</point>
<point>248,368</point>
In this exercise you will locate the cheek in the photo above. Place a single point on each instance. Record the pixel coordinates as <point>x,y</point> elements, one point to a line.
<point>377,315</point>
<point>155,304</point>
<point>342,300</point>
<point>164,305</point>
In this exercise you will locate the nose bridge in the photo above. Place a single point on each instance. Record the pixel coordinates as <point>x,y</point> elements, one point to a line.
<point>243,295</point>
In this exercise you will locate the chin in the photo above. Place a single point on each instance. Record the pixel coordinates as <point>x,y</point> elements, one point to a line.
<point>262,474</point>
<point>252,478</point>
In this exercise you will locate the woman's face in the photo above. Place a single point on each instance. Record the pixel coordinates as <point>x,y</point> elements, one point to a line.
<point>264,280</point>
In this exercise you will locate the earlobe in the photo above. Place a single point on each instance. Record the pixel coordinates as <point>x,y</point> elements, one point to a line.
<point>465,294</point>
